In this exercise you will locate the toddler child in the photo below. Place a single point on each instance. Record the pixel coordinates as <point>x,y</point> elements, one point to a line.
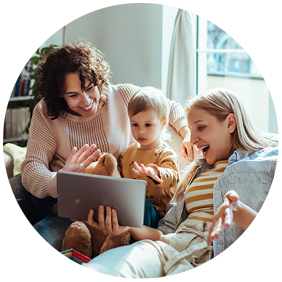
<point>150,158</point>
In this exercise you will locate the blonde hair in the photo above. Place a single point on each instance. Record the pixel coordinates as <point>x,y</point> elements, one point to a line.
<point>220,102</point>
<point>150,98</point>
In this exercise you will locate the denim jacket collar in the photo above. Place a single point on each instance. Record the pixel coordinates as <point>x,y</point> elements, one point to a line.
<point>237,156</point>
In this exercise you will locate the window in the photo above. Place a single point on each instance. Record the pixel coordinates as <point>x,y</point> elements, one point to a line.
<point>221,61</point>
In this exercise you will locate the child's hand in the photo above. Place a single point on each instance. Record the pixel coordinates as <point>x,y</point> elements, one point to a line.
<point>146,171</point>
<point>224,215</point>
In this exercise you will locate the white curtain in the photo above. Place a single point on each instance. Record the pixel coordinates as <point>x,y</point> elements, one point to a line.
<point>181,83</point>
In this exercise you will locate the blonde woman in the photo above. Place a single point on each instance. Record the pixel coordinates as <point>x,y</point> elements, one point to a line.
<point>234,156</point>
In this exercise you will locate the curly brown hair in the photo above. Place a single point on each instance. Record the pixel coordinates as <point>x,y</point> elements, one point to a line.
<point>79,57</point>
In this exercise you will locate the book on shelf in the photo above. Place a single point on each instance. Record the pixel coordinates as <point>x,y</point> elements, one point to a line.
<point>17,83</point>
<point>16,121</point>
<point>11,83</point>
<point>22,84</point>
<point>27,85</point>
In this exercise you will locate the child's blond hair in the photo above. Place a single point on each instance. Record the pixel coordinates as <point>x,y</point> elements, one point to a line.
<point>150,98</point>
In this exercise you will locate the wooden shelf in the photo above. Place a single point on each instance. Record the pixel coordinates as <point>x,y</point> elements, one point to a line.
<point>19,102</point>
<point>15,140</point>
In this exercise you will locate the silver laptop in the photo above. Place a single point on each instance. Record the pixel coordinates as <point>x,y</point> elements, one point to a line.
<point>80,192</point>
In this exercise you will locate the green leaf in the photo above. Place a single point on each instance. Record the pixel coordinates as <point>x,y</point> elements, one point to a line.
<point>43,50</point>
<point>34,60</point>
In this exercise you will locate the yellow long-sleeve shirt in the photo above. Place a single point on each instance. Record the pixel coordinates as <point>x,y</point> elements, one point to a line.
<point>164,160</point>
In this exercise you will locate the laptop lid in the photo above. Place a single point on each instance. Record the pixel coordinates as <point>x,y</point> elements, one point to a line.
<point>79,192</point>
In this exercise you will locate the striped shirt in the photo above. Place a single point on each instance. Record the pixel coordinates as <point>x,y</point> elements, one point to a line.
<point>199,195</point>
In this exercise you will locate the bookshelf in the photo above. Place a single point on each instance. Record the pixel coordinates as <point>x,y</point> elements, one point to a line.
<point>22,37</point>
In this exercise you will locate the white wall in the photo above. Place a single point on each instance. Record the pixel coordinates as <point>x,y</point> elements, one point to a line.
<point>130,36</point>
<point>169,14</point>
<point>135,39</point>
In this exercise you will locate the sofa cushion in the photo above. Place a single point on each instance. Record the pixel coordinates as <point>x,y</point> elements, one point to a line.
<point>9,164</point>
<point>271,137</point>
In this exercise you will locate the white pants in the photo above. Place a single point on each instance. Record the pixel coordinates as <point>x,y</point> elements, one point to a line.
<point>149,259</point>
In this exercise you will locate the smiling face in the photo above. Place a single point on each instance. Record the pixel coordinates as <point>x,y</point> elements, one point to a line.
<point>211,136</point>
<point>146,128</point>
<point>83,102</point>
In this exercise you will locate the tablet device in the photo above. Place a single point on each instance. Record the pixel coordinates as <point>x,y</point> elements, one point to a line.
<point>80,192</point>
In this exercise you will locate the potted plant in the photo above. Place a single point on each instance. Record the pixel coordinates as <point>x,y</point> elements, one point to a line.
<point>34,61</point>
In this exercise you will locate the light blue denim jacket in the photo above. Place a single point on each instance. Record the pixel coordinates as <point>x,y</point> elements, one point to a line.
<point>249,174</point>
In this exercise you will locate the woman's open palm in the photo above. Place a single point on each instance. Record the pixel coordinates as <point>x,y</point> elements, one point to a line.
<point>78,161</point>
<point>224,215</point>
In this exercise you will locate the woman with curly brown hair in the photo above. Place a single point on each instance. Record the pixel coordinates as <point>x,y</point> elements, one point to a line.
<point>79,106</point>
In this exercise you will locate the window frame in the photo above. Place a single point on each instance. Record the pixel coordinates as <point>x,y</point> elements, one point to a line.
<point>273,52</point>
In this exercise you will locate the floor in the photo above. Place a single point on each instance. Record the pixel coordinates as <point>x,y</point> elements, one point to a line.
<point>8,273</point>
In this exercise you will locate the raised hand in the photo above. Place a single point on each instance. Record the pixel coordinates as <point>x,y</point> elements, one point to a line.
<point>77,161</point>
<point>189,151</point>
<point>224,215</point>
<point>146,171</point>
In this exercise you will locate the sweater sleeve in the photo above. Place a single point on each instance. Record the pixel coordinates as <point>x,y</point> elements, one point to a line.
<point>36,175</point>
<point>127,91</point>
<point>177,118</point>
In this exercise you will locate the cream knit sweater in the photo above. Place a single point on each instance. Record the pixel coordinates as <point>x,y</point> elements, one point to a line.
<point>50,141</point>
